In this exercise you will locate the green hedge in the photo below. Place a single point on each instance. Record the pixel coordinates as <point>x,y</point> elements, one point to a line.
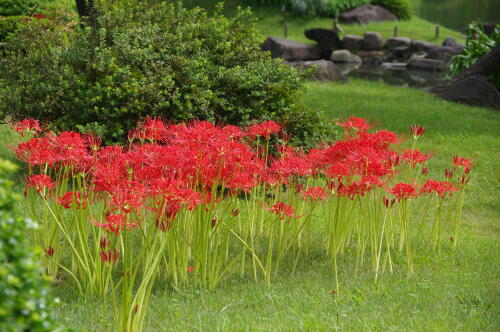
<point>16,7</point>
<point>161,60</point>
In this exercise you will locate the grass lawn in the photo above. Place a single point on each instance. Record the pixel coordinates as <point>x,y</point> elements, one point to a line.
<point>454,290</point>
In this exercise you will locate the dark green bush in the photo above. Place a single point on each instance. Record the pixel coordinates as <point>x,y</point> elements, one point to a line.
<point>9,25</point>
<point>16,7</point>
<point>25,302</point>
<point>160,60</point>
<point>401,8</point>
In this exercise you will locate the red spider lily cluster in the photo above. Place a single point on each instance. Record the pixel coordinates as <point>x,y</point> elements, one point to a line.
<point>189,190</point>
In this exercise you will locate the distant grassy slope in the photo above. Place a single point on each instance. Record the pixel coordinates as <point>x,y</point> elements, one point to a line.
<point>269,22</point>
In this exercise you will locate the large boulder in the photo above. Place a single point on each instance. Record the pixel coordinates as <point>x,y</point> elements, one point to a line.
<point>366,14</point>
<point>473,90</point>
<point>397,42</point>
<point>328,40</point>
<point>488,27</point>
<point>419,46</point>
<point>352,42</point>
<point>372,58</point>
<point>444,53</point>
<point>291,50</point>
<point>326,71</point>
<point>373,41</point>
<point>426,64</point>
<point>344,56</point>
<point>451,42</point>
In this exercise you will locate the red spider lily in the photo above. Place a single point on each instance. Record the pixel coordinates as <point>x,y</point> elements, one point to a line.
<point>448,174</point>
<point>72,198</point>
<point>415,157</point>
<point>282,210</point>
<point>151,129</point>
<point>29,126</point>
<point>104,242</point>
<point>264,129</point>
<point>403,191</point>
<point>233,132</point>
<point>49,251</point>
<point>464,179</point>
<point>358,124</point>
<point>110,256</point>
<point>116,223</point>
<point>315,194</point>
<point>388,203</point>
<point>462,162</point>
<point>40,182</point>
<point>439,187</point>
<point>417,131</point>
<point>37,151</point>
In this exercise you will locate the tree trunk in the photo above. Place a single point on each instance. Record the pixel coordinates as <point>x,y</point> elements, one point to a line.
<point>87,12</point>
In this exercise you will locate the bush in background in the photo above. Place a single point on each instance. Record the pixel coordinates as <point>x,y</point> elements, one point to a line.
<point>160,60</point>
<point>331,8</point>
<point>401,8</point>
<point>16,7</point>
<point>25,302</point>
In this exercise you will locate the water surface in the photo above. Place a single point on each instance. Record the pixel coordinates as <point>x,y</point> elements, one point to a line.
<point>457,14</point>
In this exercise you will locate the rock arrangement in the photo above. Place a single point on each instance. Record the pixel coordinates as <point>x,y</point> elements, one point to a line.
<point>367,14</point>
<point>370,50</point>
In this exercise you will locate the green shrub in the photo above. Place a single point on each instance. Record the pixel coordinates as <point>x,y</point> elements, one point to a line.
<point>160,60</point>
<point>475,47</point>
<point>8,25</point>
<point>401,8</point>
<point>25,302</point>
<point>16,7</point>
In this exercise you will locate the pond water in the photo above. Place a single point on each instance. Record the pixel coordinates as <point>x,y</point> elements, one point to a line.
<point>457,14</point>
<point>404,77</point>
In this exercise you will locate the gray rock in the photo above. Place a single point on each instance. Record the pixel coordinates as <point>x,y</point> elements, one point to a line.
<point>451,42</point>
<point>366,14</point>
<point>397,42</point>
<point>328,40</point>
<point>352,42</point>
<point>291,50</point>
<point>418,46</point>
<point>373,41</point>
<point>348,67</point>
<point>426,64</point>
<point>344,56</point>
<point>473,90</point>
<point>444,53</point>
<point>393,66</point>
<point>372,58</point>
<point>326,71</point>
